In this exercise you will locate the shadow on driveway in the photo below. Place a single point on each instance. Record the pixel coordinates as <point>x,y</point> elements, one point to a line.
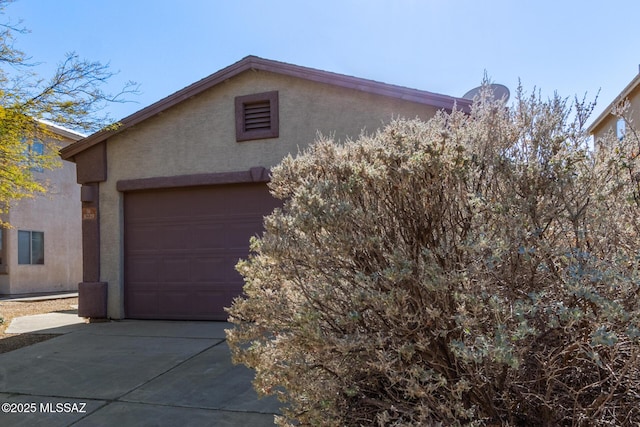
<point>130,373</point>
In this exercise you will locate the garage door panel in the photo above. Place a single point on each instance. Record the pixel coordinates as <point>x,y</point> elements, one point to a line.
<point>174,300</point>
<point>193,304</point>
<point>143,302</point>
<point>209,269</point>
<point>213,302</point>
<point>141,270</point>
<point>174,269</point>
<point>141,237</point>
<point>231,274</point>
<point>171,237</point>
<point>157,235</point>
<point>182,245</point>
<point>209,236</point>
<point>239,231</point>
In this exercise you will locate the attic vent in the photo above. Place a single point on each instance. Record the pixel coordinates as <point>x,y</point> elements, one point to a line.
<point>257,116</point>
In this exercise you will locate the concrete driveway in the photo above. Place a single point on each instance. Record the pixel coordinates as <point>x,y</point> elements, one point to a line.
<point>130,373</point>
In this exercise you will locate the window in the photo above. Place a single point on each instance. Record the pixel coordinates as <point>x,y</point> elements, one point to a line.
<point>621,128</point>
<point>33,153</point>
<point>36,153</point>
<point>30,247</point>
<point>257,116</point>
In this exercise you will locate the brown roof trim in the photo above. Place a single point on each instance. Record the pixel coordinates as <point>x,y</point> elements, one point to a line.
<point>607,111</point>
<point>256,63</point>
<point>255,174</point>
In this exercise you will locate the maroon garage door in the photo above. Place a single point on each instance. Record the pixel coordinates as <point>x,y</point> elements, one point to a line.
<point>181,247</point>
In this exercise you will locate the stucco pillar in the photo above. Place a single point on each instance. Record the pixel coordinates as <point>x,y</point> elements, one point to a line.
<point>92,294</point>
<point>91,170</point>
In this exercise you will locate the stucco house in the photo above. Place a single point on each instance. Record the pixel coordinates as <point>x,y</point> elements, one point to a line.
<point>608,122</point>
<point>41,250</point>
<point>171,197</point>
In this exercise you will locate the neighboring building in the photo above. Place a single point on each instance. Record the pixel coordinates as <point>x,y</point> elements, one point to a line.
<point>41,251</point>
<point>172,196</point>
<point>608,122</point>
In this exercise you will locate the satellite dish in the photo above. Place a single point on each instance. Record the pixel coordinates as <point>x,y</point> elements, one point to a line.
<point>499,92</point>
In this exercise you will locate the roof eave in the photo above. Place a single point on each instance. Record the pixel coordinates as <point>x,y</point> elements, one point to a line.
<point>62,131</point>
<point>607,111</point>
<point>255,63</point>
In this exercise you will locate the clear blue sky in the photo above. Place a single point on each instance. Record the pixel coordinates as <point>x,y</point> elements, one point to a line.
<point>443,46</point>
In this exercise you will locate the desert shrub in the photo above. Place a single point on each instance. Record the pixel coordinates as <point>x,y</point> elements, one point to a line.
<point>477,269</point>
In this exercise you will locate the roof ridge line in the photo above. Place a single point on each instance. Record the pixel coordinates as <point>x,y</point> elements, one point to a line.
<point>252,62</point>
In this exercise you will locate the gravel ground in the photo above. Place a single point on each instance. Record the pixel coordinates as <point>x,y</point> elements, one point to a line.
<point>12,309</point>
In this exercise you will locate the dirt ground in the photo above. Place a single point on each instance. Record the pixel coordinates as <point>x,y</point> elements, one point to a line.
<point>12,309</point>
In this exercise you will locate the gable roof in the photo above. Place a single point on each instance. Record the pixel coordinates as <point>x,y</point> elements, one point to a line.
<point>607,111</point>
<point>256,63</point>
<point>63,131</point>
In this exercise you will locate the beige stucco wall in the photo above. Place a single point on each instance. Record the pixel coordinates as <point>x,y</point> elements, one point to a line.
<point>610,122</point>
<point>58,215</point>
<point>198,136</point>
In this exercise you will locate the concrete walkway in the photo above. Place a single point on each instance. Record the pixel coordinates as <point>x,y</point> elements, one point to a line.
<point>128,373</point>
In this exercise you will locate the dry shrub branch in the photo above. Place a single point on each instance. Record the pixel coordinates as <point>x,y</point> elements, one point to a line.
<point>475,269</point>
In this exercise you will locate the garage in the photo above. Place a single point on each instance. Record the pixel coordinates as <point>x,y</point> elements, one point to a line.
<point>181,246</point>
<point>171,196</point>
